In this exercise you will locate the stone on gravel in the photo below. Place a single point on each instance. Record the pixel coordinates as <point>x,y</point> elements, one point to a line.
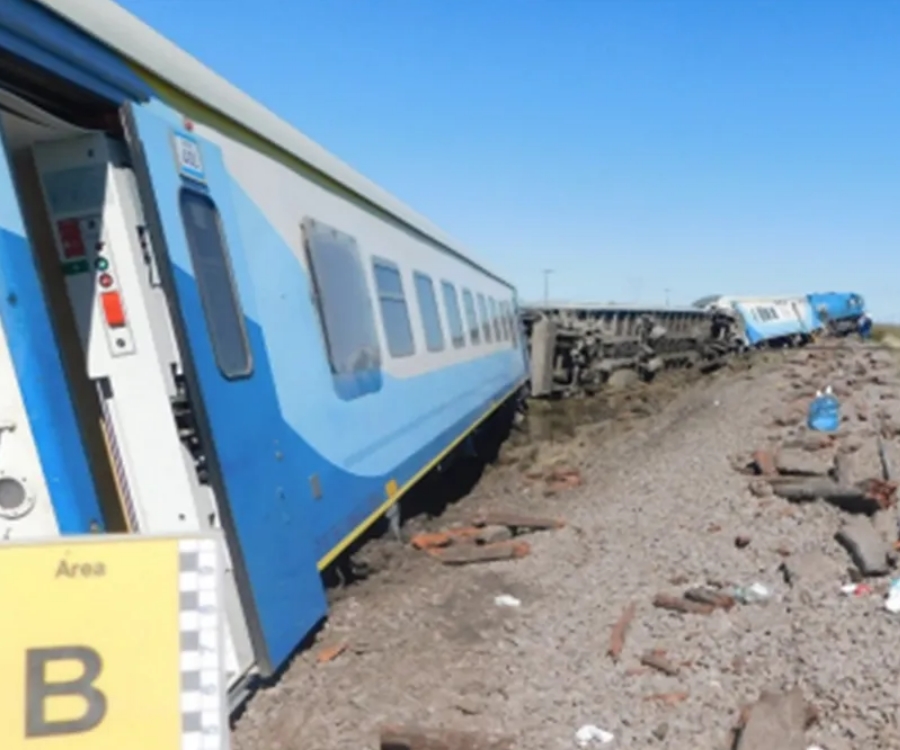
<point>803,463</point>
<point>863,463</point>
<point>809,440</point>
<point>764,463</point>
<point>885,522</point>
<point>777,722</point>
<point>492,534</point>
<point>813,569</point>
<point>865,545</point>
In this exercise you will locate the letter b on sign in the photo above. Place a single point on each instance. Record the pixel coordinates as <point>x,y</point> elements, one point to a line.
<point>38,690</point>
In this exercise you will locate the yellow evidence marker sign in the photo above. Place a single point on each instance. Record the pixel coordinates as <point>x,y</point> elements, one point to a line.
<point>112,642</point>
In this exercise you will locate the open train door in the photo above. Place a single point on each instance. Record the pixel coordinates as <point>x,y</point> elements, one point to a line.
<point>46,487</point>
<point>193,229</point>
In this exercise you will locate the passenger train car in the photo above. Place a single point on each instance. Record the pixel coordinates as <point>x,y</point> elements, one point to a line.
<point>210,322</point>
<point>769,321</point>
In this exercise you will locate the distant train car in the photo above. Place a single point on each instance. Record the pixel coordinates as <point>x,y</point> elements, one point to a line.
<point>769,321</point>
<point>208,322</point>
<point>839,311</point>
<point>577,347</point>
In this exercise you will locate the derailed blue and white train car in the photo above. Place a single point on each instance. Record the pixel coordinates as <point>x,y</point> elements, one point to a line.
<point>206,321</point>
<point>770,321</point>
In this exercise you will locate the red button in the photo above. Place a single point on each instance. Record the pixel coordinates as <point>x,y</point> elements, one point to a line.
<point>112,309</point>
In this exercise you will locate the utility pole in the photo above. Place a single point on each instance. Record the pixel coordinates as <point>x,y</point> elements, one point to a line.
<point>667,296</point>
<point>547,272</point>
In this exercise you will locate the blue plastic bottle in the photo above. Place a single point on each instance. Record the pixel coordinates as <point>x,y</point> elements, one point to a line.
<point>824,412</point>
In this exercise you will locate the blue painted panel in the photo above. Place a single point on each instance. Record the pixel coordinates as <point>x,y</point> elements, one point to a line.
<point>36,359</point>
<point>289,405</point>
<point>758,331</point>
<point>405,413</point>
<point>248,432</point>
<point>44,39</point>
<point>838,305</point>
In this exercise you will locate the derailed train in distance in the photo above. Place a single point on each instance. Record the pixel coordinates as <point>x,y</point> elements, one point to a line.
<point>789,319</point>
<point>579,346</point>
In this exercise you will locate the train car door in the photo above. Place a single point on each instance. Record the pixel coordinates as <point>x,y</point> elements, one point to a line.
<point>185,188</point>
<point>45,485</point>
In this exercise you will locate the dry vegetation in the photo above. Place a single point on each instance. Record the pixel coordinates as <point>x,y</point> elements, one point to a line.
<point>887,334</point>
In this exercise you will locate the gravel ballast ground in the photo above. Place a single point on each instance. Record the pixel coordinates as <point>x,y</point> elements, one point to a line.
<point>658,511</point>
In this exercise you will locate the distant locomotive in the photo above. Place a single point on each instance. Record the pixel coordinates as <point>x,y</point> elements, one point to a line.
<point>839,311</point>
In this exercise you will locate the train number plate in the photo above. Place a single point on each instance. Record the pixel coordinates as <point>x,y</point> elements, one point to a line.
<point>187,155</point>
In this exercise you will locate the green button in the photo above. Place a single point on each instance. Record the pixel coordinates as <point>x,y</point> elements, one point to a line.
<point>75,267</point>
<point>101,264</point>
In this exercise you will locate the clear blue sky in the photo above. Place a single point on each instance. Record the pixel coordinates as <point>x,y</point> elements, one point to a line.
<point>630,145</point>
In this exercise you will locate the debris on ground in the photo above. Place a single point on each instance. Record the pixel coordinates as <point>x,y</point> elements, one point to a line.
<point>558,479</point>
<point>589,734</point>
<point>517,521</point>
<point>411,738</point>
<point>657,660</point>
<point>483,553</point>
<point>620,631</point>
<point>331,652</point>
<point>777,721</point>
<point>487,539</point>
<point>865,545</point>
<point>710,596</point>
<point>682,605</point>
<point>753,594</point>
<point>677,526</point>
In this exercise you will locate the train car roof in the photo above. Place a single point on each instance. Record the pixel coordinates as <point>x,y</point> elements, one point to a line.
<point>768,298</point>
<point>611,306</point>
<point>123,32</point>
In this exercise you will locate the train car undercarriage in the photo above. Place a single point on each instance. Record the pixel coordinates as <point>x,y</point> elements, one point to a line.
<point>576,350</point>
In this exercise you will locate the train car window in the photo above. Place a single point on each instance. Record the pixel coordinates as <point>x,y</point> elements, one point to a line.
<point>498,333</point>
<point>346,313</point>
<point>514,323</point>
<point>215,282</point>
<point>471,317</point>
<point>485,320</point>
<point>394,311</point>
<point>504,320</point>
<point>454,317</point>
<point>431,319</point>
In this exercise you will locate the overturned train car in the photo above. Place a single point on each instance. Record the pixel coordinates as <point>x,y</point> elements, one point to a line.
<point>577,348</point>
<point>767,322</point>
<point>839,312</point>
